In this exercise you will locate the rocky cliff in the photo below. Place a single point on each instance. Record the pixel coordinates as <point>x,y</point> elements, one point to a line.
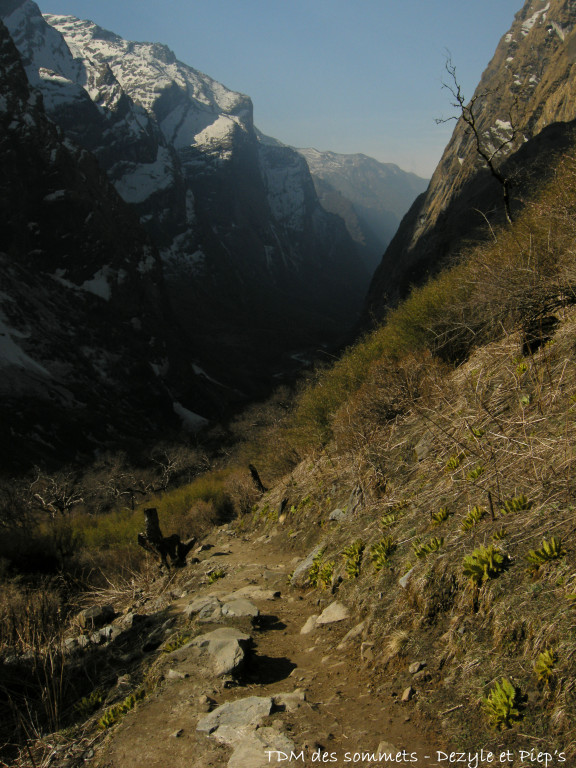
<point>522,109</point>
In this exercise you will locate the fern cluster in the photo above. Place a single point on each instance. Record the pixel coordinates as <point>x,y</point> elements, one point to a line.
<point>544,666</point>
<point>473,518</point>
<point>485,563</point>
<point>115,713</point>
<point>517,504</point>
<point>314,570</point>
<point>551,549</point>
<point>454,461</point>
<point>353,558</point>
<point>381,551</point>
<point>503,704</point>
<point>441,516</point>
<point>432,545</point>
<point>475,473</point>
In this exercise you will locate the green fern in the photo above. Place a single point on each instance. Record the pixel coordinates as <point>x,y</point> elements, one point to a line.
<point>115,713</point>
<point>381,551</point>
<point>387,520</point>
<point>485,563</point>
<point>441,516</point>
<point>551,549</point>
<point>353,558</point>
<point>432,545</point>
<point>473,518</point>
<point>89,704</point>
<point>454,461</point>
<point>219,573</point>
<point>500,534</point>
<point>502,704</point>
<point>544,666</point>
<point>475,473</point>
<point>325,574</point>
<point>314,570</point>
<point>516,504</point>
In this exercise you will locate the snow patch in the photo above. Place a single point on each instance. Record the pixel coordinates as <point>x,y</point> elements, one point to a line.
<point>137,185</point>
<point>11,354</point>
<point>192,422</point>
<point>99,285</point>
<point>529,23</point>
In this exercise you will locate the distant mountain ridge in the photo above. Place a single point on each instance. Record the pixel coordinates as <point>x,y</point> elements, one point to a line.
<point>528,95</point>
<point>371,197</point>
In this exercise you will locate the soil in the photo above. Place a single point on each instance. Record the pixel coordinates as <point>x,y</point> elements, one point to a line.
<point>347,709</point>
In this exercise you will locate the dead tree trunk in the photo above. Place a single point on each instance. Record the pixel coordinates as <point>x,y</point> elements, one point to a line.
<point>164,547</point>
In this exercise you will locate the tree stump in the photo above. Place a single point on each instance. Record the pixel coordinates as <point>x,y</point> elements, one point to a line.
<point>164,547</point>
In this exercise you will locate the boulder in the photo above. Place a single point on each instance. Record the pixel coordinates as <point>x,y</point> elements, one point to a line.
<point>336,611</point>
<point>240,607</point>
<point>310,625</point>
<point>96,616</point>
<point>300,576</point>
<point>236,714</point>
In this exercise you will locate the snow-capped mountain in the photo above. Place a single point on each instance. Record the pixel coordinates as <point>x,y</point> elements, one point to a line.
<point>254,265</point>
<point>523,109</point>
<point>89,351</point>
<point>371,197</point>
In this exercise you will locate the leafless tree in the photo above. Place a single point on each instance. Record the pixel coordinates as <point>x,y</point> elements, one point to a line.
<point>468,112</point>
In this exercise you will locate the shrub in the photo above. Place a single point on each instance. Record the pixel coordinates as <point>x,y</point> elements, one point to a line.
<point>485,563</point>
<point>503,704</point>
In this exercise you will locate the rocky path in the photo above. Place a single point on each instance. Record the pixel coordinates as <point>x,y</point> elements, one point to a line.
<point>257,673</point>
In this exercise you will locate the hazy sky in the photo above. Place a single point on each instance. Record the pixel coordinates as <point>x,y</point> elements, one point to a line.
<point>342,75</point>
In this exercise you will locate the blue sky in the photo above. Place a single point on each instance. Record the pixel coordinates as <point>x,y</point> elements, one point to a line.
<point>341,75</point>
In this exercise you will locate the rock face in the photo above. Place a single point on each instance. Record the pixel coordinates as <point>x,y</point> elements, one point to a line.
<point>84,322</point>
<point>253,264</point>
<point>370,196</point>
<point>524,106</point>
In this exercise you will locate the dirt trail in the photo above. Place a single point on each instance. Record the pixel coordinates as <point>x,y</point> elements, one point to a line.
<point>338,710</point>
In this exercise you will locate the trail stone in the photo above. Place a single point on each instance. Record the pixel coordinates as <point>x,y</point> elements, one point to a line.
<point>240,607</point>
<point>385,747</point>
<point>416,667</point>
<point>227,646</point>
<point>196,606</point>
<point>403,582</point>
<point>243,712</point>
<point>310,625</point>
<point>336,515</point>
<point>408,693</point>
<point>336,611</point>
<point>352,635</point>
<point>290,701</point>
<point>173,674</point>
<point>252,750</point>
<point>300,575</point>
<point>253,593</point>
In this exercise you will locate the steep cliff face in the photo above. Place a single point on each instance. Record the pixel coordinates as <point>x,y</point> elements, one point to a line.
<point>88,346</point>
<point>523,107</point>
<point>253,264</point>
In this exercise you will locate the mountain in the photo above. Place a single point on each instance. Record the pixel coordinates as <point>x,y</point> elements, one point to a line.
<point>370,196</point>
<point>89,349</point>
<point>523,110</point>
<point>254,265</point>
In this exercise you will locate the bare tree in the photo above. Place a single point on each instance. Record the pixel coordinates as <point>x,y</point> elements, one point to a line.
<point>468,112</point>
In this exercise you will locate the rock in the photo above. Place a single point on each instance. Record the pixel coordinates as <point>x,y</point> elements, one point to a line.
<point>206,608</point>
<point>336,611</point>
<point>173,674</point>
<point>242,712</point>
<point>367,651</point>
<point>423,447</point>
<point>227,646</point>
<point>386,748</point>
<point>336,515</point>
<point>252,751</point>
<point>300,575</point>
<point>205,703</point>
<point>290,701</point>
<point>403,582</point>
<point>422,677</point>
<point>96,616</point>
<point>240,607</point>
<point>83,641</point>
<point>177,734</point>
<point>351,635</point>
<point>310,625</point>
<point>253,593</point>
<point>355,500</point>
<point>416,667</point>
<point>129,620</point>
<point>408,693</point>
<point>70,645</point>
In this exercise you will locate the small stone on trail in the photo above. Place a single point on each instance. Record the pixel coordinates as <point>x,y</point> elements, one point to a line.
<point>242,712</point>
<point>416,667</point>
<point>177,734</point>
<point>385,747</point>
<point>408,693</point>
